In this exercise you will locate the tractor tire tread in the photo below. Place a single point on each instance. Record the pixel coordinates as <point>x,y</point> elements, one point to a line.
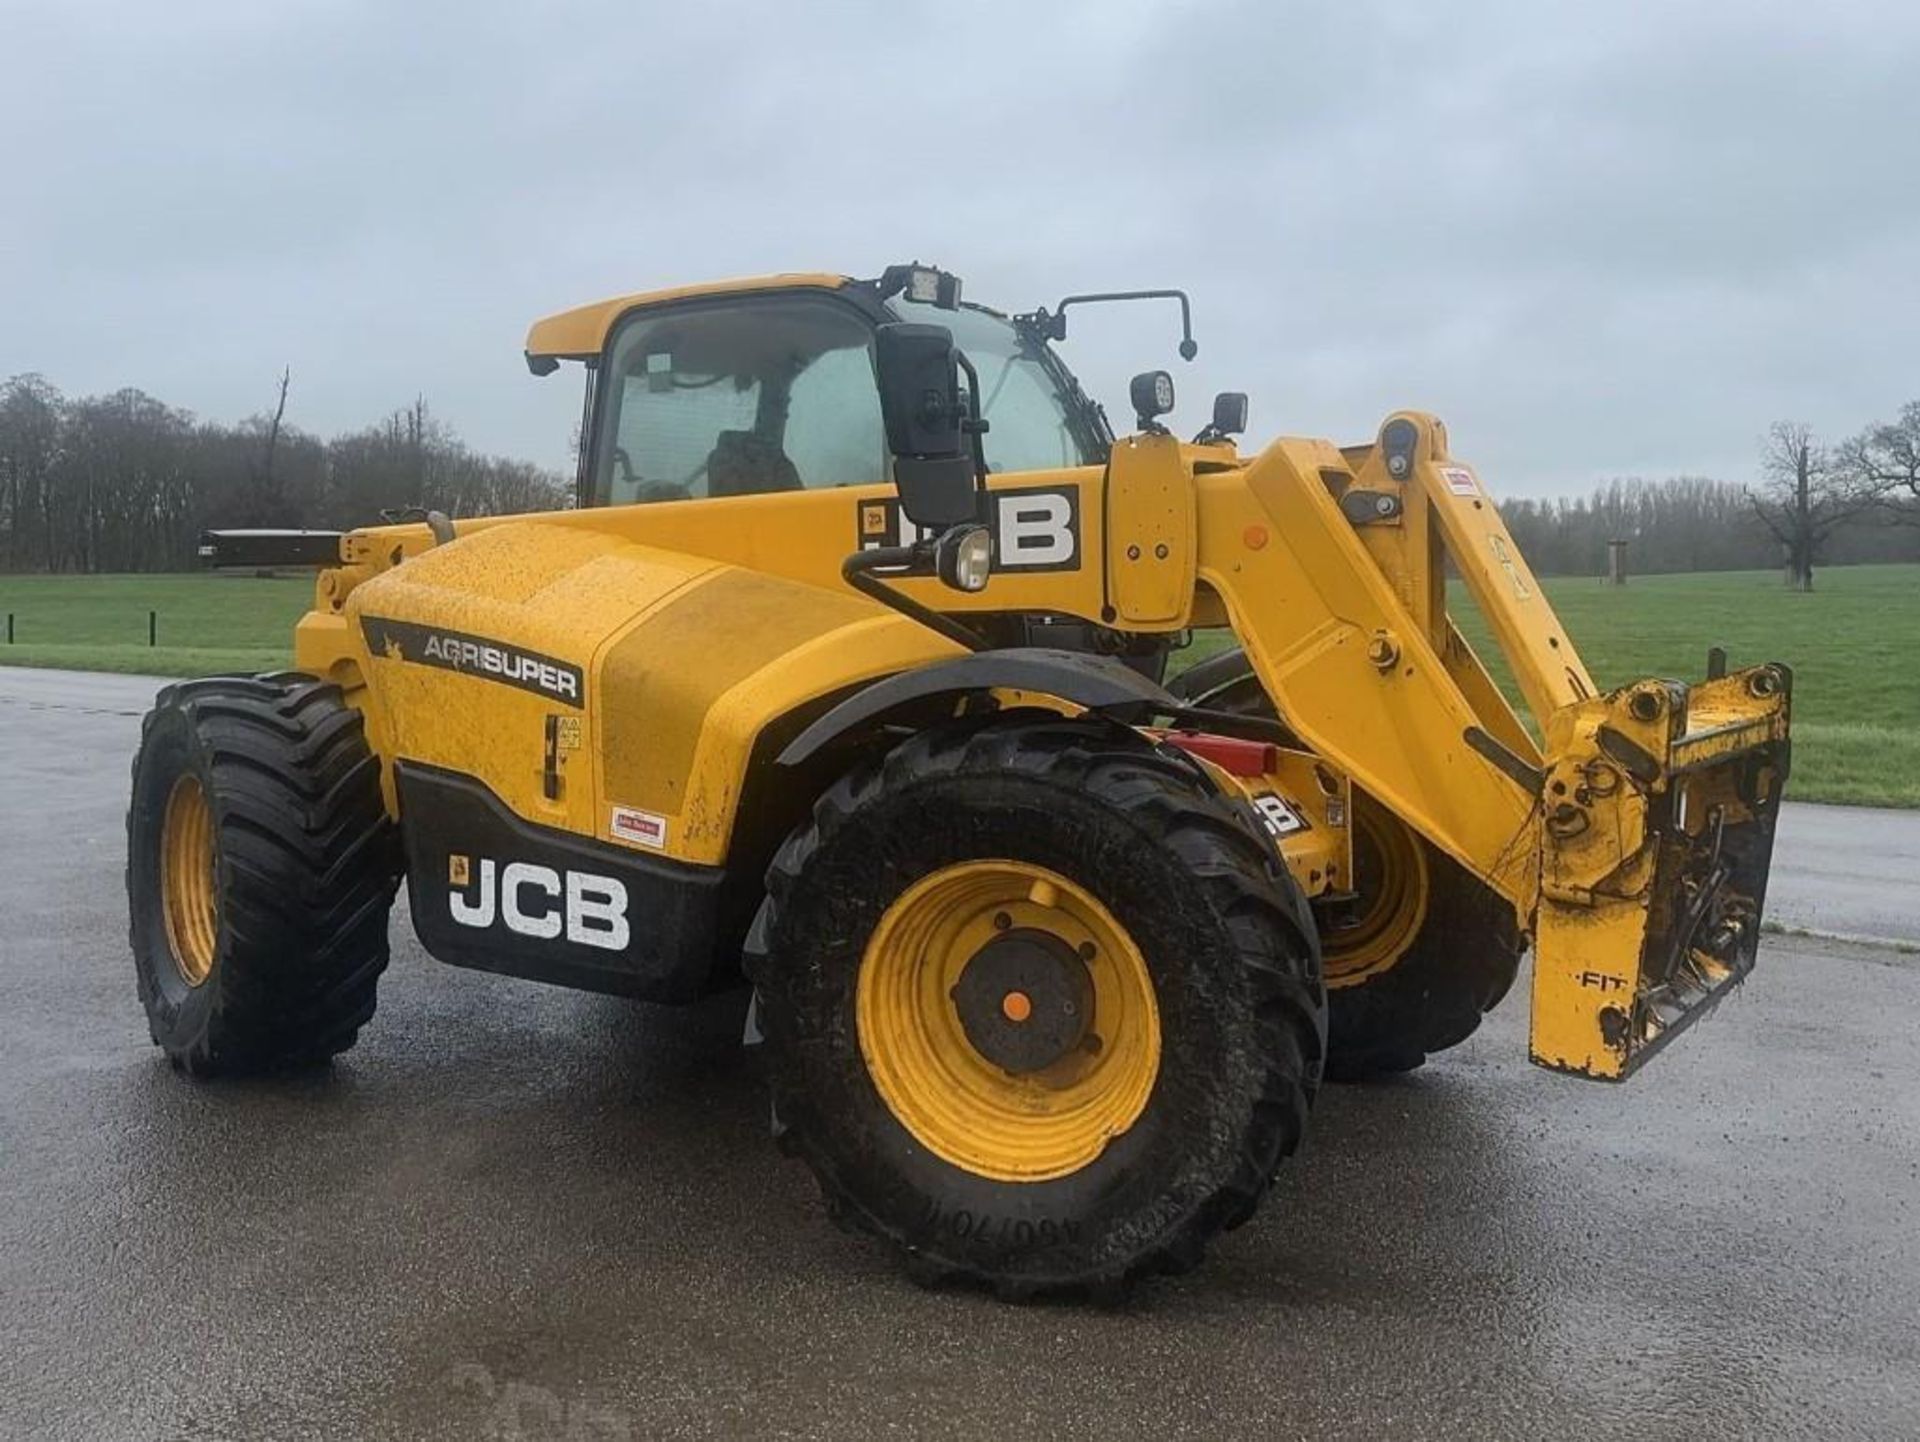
<point>310,867</point>
<point>1233,866</point>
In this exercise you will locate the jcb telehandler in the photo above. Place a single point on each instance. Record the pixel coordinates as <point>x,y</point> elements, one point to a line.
<point>848,667</point>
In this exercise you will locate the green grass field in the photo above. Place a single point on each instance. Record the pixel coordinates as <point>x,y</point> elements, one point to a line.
<point>207,623</point>
<point>1854,645</point>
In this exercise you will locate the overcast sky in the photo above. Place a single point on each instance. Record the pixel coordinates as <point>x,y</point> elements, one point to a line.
<point>1600,240</point>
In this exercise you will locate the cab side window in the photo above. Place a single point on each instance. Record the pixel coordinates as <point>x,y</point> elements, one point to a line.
<point>835,434</point>
<point>739,397</point>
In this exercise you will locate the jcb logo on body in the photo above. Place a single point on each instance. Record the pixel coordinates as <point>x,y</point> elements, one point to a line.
<point>538,902</point>
<point>1034,529</point>
<point>1280,819</point>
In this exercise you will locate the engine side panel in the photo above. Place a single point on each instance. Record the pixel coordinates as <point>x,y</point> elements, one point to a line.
<point>595,684</point>
<point>568,720</point>
<point>665,677</point>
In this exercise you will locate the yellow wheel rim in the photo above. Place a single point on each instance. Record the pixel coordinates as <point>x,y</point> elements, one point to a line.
<point>188,891</point>
<point>1007,1020</point>
<point>1394,885</point>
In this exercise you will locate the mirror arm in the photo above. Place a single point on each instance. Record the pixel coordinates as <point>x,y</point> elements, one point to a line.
<point>857,570</point>
<point>1052,325</point>
<point>974,425</point>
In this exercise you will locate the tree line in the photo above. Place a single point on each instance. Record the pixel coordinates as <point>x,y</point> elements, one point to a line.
<point>124,482</point>
<point>1814,503</point>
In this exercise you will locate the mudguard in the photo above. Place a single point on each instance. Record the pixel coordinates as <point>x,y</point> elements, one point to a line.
<point>1085,680</point>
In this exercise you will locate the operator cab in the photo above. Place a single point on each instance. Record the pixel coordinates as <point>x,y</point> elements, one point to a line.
<point>770,386</point>
<point>741,396</point>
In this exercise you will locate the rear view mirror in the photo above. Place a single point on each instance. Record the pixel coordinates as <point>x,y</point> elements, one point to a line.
<point>919,378</point>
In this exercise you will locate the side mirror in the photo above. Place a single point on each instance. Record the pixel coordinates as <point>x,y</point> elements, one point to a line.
<point>919,377</point>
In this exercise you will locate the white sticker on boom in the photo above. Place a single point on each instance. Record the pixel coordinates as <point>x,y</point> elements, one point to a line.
<point>642,828</point>
<point>1279,818</point>
<point>1460,480</point>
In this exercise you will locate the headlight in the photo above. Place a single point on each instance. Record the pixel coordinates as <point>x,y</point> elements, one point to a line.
<point>964,557</point>
<point>933,287</point>
<point>1152,396</point>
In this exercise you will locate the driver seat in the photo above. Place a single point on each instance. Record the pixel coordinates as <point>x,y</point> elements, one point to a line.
<point>744,463</point>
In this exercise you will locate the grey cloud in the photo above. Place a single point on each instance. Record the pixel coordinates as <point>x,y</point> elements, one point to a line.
<point>1600,239</point>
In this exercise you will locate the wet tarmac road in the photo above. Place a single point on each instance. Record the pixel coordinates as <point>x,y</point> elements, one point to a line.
<point>1851,871</point>
<point>517,1212</point>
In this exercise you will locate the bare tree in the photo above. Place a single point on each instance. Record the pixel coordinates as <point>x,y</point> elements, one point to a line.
<point>31,423</point>
<point>1803,497</point>
<point>123,482</point>
<point>266,484</point>
<point>1884,462</point>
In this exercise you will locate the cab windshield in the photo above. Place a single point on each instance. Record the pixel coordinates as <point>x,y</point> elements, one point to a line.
<point>739,397</point>
<point>1030,426</point>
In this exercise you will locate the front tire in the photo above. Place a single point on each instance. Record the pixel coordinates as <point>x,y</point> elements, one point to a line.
<point>1429,951</point>
<point>1043,1010</point>
<point>260,869</point>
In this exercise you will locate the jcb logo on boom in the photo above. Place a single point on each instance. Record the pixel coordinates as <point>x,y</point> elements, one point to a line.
<point>538,902</point>
<point>1034,529</point>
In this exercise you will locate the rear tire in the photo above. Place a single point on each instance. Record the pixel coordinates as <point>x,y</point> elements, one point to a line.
<point>1120,836</point>
<point>1393,997</point>
<point>260,869</point>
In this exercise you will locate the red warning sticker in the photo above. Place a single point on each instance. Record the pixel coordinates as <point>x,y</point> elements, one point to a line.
<point>643,828</point>
<point>1460,480</point>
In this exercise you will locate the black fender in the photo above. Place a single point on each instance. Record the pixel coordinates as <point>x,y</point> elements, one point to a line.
<point>1095,682</point>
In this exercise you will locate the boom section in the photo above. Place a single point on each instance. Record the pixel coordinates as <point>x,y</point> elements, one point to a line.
<point>1332,573</point>
<point>1634,842</point>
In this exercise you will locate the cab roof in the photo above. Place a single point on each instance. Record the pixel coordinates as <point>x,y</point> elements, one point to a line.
<point>582,332</point>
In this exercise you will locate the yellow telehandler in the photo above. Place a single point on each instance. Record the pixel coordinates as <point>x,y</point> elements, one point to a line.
<point>848,669</point>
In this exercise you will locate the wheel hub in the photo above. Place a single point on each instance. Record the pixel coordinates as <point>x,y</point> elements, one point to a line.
<point>1392,887</point>
<point>1025,1000</point>
<point>1007,1019</point>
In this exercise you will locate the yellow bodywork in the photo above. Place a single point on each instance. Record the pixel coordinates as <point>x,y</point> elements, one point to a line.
<point>688,659</point>
<point>581,332</point>
<point>703,628</point>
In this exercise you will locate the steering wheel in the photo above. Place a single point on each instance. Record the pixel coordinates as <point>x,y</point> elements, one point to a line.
<point>644,491</point>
